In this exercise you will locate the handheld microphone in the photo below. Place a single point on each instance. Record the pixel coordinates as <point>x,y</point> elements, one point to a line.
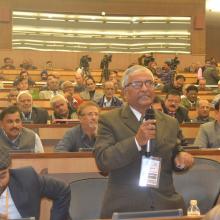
<point>149,114</point>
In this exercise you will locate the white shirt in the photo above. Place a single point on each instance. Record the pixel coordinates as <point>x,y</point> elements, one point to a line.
<point>138,116</point>
<point>107,103</point>
<point>12,210</point>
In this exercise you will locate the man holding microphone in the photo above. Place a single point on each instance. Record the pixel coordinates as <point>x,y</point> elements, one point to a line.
<point>139,148</point>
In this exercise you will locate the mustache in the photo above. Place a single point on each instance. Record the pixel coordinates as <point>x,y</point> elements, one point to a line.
<point>15,129</point>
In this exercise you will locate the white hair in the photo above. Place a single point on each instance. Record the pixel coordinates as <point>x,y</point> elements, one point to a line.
<point>56,98</point>
<point>25,92</point>
<point>132,70</point>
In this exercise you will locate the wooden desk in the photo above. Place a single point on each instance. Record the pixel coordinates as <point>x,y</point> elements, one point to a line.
<point>76,163</point>
<point>190,130</point>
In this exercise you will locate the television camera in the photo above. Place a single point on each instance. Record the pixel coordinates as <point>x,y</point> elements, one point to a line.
<point>104,66</point>
<point>84,64</point>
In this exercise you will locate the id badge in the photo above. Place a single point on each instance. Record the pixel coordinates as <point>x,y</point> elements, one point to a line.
<point>150,172</point>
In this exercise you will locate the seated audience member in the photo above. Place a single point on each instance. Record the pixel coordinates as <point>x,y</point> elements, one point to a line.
<point>173,108</point>
<point>12,97</point>
<point>14,136</point>
<point>213,214</point>
<point>157,83</point>
<point>108,99</point>
<point>52,88</point>
<point>80,84</point>
<point>61,110</point>
<point>209,133</point>
<point>190,101</point>
<point>158,104</point>
<point>21,84</point>
<point>176,85</point>
<point>202,85</point>
<point>166,74</point>
<point>27,65</point>
<point>30,114</point>
<point>90,93</point>
<point>8,64</point>
<point>22,189</point>
<point>44,75</point>
<point>68,90</point>
<point>83,135</point>
<point>24,74</point>
<point>211,73</point>
<point>217,90</point>
<point>49,65</point>
<point>203,110</point>
<point>115,79</point>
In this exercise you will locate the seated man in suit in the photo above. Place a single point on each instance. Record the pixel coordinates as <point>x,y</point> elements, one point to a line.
<point>83,135</point>
<point>14,136</point>
<point>61,109</point>
<point>208,134</point>
<point>21,191</point>
<point>173,108</point>
<point>203,110</point>
<point>108,99</point>
<point>30,114</point>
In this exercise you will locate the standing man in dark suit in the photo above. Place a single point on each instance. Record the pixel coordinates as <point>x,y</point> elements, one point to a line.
<point>121,150</point>
<point>30,114</point>
<point>21,191</point>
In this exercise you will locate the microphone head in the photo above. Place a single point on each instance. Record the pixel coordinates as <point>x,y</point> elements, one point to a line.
<point>149,114</point>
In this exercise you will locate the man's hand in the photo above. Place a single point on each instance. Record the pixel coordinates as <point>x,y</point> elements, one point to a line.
<point>183,160</point>
<point>146,131</point>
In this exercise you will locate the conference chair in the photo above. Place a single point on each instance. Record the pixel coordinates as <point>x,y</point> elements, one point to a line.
<point>86,198</point>
<point>201,182</point>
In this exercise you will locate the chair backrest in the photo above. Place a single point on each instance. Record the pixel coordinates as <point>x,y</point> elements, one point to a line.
<point>86,198</point>
<point>201,182</point>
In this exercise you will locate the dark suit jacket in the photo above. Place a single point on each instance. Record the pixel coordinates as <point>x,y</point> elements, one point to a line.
<point>38,116</point>
<point>27,188</point>
<point>116,152</point>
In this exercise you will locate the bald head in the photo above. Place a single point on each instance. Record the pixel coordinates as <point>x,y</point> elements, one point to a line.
<point>203,108</point>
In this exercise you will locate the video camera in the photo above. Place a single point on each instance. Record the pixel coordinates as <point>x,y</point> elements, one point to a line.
<point>84,61</point>
<point>174,62</point>
<point>105,61</point>
<point>148,59</point>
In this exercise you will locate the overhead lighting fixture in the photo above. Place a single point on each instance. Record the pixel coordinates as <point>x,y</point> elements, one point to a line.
<point>213,5</point>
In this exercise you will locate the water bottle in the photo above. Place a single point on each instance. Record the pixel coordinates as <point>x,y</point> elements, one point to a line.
<point>193,209</point>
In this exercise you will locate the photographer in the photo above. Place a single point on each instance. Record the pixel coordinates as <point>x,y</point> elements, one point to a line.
<point>104,66</point>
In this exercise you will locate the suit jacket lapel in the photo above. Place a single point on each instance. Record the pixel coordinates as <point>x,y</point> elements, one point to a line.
<point>18,195</point>
<point>160,125</point>
<point>129,118</point>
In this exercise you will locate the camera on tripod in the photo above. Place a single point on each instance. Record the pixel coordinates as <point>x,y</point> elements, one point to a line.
<point>84,61</point>
<point>104,66</point>
<point>105,61</point>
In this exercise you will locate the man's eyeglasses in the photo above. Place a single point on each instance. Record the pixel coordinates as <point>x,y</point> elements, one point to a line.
<point>139,84</point>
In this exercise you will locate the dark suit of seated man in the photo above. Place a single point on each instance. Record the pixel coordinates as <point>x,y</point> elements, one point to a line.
<point>82,136</point>
<point>31,114</point>
<point>21,191</point>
